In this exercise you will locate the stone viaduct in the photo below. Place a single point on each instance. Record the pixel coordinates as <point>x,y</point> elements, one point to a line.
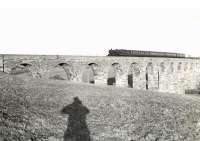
<point>173,75</point>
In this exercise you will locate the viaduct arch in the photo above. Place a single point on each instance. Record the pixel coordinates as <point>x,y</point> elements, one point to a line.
<point>147,73</point>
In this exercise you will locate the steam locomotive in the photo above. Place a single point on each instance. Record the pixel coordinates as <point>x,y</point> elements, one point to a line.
<point>138,53</point>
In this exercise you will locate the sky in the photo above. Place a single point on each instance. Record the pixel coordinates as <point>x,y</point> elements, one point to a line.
<point>93,31</point>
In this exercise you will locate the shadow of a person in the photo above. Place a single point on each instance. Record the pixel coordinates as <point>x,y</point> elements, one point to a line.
<point>77,129</point>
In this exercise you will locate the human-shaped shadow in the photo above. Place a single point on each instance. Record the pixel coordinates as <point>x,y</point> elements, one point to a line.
<point>77,129</point>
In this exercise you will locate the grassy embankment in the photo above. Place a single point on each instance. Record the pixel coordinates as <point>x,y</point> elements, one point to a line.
<point>30,111</point>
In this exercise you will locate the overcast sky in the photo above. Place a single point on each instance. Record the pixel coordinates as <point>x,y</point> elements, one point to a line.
<point>93,31</point>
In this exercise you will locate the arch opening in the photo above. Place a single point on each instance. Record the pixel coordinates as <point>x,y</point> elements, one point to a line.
<point>186,66</point>
<point>162,67</point>
<point>191,66</point>
<point>112,73</point>
<point>152,79</point>
<point>64,71</point>
<point>89,73</point>
<point>171,68</point>
<point>134,72</point>
<point>179,66</point>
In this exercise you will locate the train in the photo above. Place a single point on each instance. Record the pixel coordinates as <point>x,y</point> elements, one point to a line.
<point>139,53</point>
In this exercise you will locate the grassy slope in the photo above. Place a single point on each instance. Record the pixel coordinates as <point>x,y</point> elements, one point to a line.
<point>32,112</point>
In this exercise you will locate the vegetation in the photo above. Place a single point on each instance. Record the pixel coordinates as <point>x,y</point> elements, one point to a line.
<point>30,111</point>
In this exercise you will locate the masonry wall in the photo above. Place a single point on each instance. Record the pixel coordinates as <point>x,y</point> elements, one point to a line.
<point>164,74</point>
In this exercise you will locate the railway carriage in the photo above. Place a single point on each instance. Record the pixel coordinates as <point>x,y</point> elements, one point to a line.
<point>138,53</point>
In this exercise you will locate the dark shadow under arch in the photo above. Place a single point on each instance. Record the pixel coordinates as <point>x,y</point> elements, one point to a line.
<point>25,65</point>
<point>62,64</point>
<point>95,64</point>
<point>113,64</point>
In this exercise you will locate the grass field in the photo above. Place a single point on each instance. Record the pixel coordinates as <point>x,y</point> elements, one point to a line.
<point>30,111</point>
